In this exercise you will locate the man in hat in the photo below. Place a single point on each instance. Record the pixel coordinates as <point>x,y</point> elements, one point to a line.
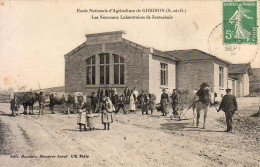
<point>94,102</point>
<point>127,94</point>
<point>203,93</point>
<point>114,98</point>
<point>174,101</point>
<point>229,106</point>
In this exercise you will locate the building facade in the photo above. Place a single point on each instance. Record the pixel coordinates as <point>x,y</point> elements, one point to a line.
<point>240,73</point>
<point>107,59</point>
<point>195,67</point>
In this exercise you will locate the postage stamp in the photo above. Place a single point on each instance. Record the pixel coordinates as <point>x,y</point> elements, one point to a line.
<point>240,22</point>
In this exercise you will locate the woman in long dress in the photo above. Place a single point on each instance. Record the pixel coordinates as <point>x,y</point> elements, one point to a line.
<point>107,110</point>
<point>132,102</point>
<point>164,102</point>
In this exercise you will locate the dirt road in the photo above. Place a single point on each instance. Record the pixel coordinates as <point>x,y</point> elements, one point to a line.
<point>134,140</point>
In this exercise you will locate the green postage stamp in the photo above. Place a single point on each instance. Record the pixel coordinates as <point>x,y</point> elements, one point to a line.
<point>240,22</point>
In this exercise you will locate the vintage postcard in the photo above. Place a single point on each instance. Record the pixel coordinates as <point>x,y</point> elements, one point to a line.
<point>129,83</point>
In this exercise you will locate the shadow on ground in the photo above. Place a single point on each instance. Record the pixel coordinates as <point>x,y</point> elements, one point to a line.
<point>183,127</point>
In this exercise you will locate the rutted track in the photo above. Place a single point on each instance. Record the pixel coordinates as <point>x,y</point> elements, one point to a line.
<point>134,140</point>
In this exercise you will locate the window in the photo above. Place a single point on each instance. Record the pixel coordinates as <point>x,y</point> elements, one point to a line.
<point>119,69</point>
<point>90,63</point>
<point>104,68</point>
<point>221,77</point>
<point>164,74</point>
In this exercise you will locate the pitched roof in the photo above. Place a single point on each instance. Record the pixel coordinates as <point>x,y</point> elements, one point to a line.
<point>193,54</point>
<point>163,54</point>
<point>133,44</point>
<point>239,68</point>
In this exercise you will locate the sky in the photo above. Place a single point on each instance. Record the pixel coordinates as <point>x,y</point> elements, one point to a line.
<point>35,35</point>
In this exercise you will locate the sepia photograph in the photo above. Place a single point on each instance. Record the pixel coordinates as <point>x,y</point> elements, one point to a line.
<point>129,83</point>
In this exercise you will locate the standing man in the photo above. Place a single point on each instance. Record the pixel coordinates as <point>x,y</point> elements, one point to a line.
<point>108,92</point>
<point>142,98</point>
<point>135,92</point>
<point>12,103</point>
<point>121,104</point>
<point>127,94</point>
<point>229,106</point>
<point>132,101</point>
<point>94,102</point>
<point>174,101</point>
<point>99,98</point>
<point>99,94</point>
<point>151,99</point>
<point>114,98</point>
<point>41,102</point>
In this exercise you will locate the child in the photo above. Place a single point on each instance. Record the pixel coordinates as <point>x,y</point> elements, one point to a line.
<point>82,119</point>
<point>151,99</point>
<point>107,110</point>
<point>90,120</point>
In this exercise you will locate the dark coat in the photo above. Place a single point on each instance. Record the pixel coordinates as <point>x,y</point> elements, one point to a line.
<point>100,94</point>
<point>228,103</point>
<point>108,93</point>
<point>121,100</point>
<point>142,98</point>
<point>114,99</point>
<point>94,100</point>
<point>174,98</point>
<point>127,92</point>
<point>164,97</point>
<point>204,95</point>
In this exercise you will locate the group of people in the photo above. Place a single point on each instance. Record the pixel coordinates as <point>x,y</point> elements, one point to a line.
<point>118,101</point>
<point>111,102</point>
<point>86,116</point>
<point>202,100</point>
<point>108,101</point>
<point>166,99</point>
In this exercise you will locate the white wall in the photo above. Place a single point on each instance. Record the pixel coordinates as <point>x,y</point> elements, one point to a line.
<point>155,76</point>
<point>230,83</point>
<point>220,91</point>
<point>246,84</point>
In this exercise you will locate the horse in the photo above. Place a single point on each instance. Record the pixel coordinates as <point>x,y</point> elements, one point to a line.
<point>199,106</point>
